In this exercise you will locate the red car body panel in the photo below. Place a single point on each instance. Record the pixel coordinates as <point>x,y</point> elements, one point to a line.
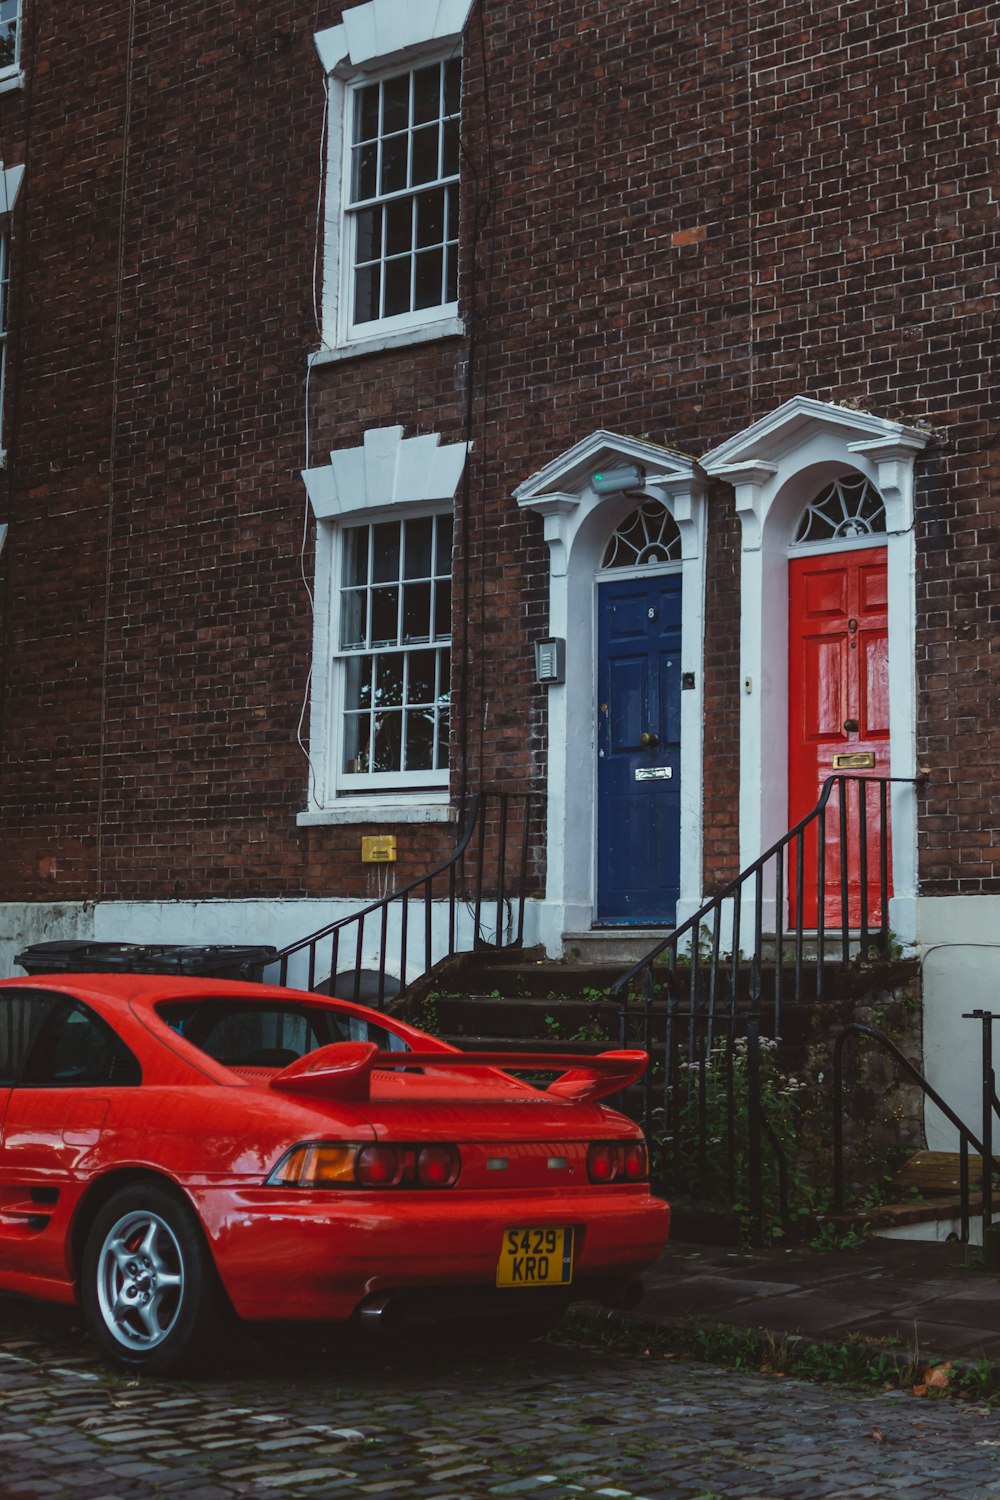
<point>216,1132</point>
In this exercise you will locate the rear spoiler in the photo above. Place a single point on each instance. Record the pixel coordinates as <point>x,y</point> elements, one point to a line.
<point>343,1070</point>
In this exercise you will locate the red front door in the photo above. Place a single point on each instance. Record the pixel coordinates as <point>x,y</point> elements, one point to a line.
<point>838,705</point>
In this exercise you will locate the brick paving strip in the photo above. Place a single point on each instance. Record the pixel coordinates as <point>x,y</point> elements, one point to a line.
<point>554,1421</point>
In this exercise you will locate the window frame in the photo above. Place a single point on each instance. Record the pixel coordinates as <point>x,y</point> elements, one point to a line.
<point>351,783</point>
<point>386,477</point>
<point>12,69</point>
<point>10,186</point>
<point>350,330</point>
<point>373,40</point>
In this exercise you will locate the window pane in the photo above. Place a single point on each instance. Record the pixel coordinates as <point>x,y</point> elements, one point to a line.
<point>428,291</point>
<point>444,729</point>
<point>366,113</point>
<point>397,286</point>
<point>396,103</point>
<point>451,277</point>
<point>357,682</point>
<point>385,616</point>
<point>385,552</point>
<point>417,612</point>
<point>353,623</point>
<point>418,548</point>
<point>399,226</point>
<point>420,741</point>
<point>450,151</point>
<point>389,680</point>
<point>357,728</point>
<point>426,94</point>
<point>430,218</point>
<point>421,680</point>
<point>394,153</point>
<point>367,282</point>
<point>425,155</point>
<point>355,555</point>
<point>453,86</point>
<point>451,220</point>
<point>442,609</point>
<point>444,678</point>
<point>386,754</point>
<point>364,172</point>
<point>442,559</point>
<point>368,245</point>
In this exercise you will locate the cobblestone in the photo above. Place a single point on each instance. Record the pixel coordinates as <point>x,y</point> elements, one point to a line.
<point>295,1417</point>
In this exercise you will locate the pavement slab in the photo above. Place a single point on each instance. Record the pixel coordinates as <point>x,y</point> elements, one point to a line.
<point>315,1416</point>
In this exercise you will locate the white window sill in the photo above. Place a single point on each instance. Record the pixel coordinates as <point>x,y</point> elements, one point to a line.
<point>379,810</point>
<point>11,81</point>
<point>444,328</point>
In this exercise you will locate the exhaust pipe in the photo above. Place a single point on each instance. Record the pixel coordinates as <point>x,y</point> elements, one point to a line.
<point>381,1313</point>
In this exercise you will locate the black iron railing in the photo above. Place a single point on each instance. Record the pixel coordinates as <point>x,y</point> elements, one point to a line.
<point>774,903</point>
<point>473,899</point>
<point>697,1000</point>
<point>967,1140</point>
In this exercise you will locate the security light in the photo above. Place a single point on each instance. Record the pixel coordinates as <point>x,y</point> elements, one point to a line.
<point>614,481</point>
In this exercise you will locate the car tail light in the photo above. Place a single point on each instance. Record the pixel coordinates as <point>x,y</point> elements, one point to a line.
<point>378,1166</point>
<point>636,1161</point>
<point>602,1163</point>
<point>438,1166</point>
<point>328,1164</point>
<point>618,1161</point>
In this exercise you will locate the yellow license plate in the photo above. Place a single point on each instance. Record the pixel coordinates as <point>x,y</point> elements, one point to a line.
<point>536,1257</point>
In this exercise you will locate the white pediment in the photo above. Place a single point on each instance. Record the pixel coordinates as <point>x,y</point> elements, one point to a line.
<point>805,442</point>
<point>801,420</point>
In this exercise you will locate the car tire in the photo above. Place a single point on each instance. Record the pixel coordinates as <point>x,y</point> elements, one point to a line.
<point>148,1288</point>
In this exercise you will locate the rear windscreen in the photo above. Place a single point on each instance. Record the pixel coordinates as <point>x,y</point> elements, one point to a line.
<point>241,1034</point>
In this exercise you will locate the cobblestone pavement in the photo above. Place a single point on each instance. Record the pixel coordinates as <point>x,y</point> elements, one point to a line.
<point>300,1416</point>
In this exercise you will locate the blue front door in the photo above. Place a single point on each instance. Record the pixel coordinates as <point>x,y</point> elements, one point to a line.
<point>638,750</point>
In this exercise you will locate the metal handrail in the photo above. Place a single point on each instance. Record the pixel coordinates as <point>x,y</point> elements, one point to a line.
<point>733,891</point>
<point>690,1023</point>
<point>508,899</point>
<point>966,1137</point>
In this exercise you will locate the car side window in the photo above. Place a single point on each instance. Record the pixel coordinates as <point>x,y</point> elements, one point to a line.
<point>273,1036</point>
<point>76,1049</point>
<point>21,1015</point>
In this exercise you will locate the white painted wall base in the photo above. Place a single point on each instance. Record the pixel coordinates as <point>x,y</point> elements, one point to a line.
<point>958,941</point>
<point>959,944</point>
<point>275,922</point>
<point>934,1231</point>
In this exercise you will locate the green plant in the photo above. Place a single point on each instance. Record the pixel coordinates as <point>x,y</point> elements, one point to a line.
<point>713,1128</point>
<point>425,1016</point>
<point>829,1237</point>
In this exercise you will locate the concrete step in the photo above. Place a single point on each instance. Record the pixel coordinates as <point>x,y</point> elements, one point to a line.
<point>618,947</point>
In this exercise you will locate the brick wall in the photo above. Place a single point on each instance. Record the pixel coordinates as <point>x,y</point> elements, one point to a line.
<point>686,219</point>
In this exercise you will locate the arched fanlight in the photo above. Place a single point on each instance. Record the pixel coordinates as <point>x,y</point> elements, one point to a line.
<point>850,507</point>
<point>647,536</point>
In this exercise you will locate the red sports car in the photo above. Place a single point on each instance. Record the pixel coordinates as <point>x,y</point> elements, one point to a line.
<point>175,1149</point>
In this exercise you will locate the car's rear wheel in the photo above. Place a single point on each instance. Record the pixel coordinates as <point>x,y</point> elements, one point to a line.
<point>148,1285</point>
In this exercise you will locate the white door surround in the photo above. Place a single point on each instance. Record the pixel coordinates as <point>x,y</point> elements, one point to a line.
<point>578,526</point>
<point>776,467</point>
